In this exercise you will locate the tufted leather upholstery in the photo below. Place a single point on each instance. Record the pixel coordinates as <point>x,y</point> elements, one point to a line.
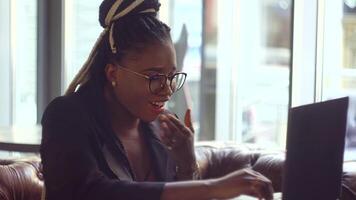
<point>219,159</point>
<point>22,179</point>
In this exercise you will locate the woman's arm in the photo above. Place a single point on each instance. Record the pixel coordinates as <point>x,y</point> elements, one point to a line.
<point>246,181</point>
<point>188,190</point>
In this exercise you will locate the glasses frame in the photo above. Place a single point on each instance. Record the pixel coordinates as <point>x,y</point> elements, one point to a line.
<point>150,78</point>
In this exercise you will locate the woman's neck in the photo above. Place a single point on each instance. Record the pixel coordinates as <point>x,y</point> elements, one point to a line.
<point>122,121</point>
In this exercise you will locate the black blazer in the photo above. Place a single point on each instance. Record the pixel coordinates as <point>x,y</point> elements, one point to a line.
<point>77,141</point>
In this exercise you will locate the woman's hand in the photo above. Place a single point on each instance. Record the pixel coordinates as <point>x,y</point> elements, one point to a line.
<point>179,139</point>
<point>242,182</point>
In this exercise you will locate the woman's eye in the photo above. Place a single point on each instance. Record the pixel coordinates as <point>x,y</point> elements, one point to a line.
<point>154,77</point>
<point>151,73</point>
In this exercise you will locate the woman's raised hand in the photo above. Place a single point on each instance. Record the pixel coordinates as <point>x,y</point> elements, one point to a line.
<point>242,182</point>
<point>179,139</point>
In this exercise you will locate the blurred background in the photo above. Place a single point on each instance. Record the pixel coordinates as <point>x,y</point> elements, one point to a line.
<point>247,61</point>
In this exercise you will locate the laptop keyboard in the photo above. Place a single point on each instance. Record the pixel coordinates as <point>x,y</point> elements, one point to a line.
<point>276,196</point>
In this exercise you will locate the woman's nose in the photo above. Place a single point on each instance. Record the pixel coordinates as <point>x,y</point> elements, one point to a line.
<point>167,90</point>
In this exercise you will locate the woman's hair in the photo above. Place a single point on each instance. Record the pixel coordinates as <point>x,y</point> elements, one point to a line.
<point>129,25</point>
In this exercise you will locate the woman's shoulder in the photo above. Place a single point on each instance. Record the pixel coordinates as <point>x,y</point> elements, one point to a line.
<point>68,106</point>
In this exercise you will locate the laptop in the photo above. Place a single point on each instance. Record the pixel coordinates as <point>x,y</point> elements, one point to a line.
<point>315,148</point>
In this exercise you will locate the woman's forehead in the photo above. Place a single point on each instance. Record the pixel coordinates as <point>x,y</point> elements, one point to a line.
<point>154,57</point>
<point>161,69</point>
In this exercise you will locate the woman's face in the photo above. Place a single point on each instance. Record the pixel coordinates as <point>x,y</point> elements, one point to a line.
<point>132,91</point>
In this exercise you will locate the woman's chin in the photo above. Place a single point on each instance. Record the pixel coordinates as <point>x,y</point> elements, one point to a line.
<point>149,117</point>
<point>151,114</point>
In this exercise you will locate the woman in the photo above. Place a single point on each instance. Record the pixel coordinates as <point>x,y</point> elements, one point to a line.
<point>109,137</point>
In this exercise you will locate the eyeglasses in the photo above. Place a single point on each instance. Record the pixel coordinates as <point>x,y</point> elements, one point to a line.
<point>158,82</point>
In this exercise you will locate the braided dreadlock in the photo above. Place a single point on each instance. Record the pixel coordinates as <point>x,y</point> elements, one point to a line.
<point>129,25</point>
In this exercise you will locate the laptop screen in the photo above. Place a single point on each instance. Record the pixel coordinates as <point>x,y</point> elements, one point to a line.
<point>315,146</point>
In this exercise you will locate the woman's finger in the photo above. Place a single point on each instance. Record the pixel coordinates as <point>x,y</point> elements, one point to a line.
<point>166,128</point>
<point>261,176</point>
<point>173,134</point>
<point>165,134</point>
<point>176,126</point>
<point>188,120</point>
<point>270,192</point>
<point>264,189</point>
<point>166,138</point>
<point>179,125</point>
<point>255,191</point>
<point>266,185</point>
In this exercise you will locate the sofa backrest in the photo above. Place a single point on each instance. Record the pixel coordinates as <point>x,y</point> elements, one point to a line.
<point>22,179</point>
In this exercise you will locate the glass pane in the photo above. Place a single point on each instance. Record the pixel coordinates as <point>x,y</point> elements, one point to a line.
<point>339,59</point>
<point>264,87</point>
<point>82,29</point>
<point>5,91</point>
<point>253,62</point>
<point>24,61</point>
<point>177,13</point>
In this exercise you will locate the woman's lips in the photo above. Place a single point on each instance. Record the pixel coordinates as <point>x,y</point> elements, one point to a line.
<point>157,106</point>
<point>158,103</point>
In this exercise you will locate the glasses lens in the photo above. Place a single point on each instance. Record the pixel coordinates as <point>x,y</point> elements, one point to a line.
<point>157,83</point>
<point>177,81</point>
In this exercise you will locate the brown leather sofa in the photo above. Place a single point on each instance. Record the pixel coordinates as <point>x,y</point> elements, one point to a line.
<point>21,179</point>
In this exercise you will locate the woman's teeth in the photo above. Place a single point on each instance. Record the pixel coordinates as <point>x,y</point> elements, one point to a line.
<point>158,104</point>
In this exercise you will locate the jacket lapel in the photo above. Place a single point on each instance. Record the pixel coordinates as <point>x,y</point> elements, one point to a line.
<point>112,149</point>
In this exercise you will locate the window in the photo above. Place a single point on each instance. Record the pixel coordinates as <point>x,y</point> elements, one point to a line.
<point>238,70</point>
<point>243,99</point>
<point>252,70</point>
<point>240,80</point>
<point>18,63</point>
<point>323,58</point>
<point>81,29</point>
<point>339,58</point>
<point>238,60</point>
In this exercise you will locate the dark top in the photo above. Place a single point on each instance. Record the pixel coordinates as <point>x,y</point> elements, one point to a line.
<point>82,158</point>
